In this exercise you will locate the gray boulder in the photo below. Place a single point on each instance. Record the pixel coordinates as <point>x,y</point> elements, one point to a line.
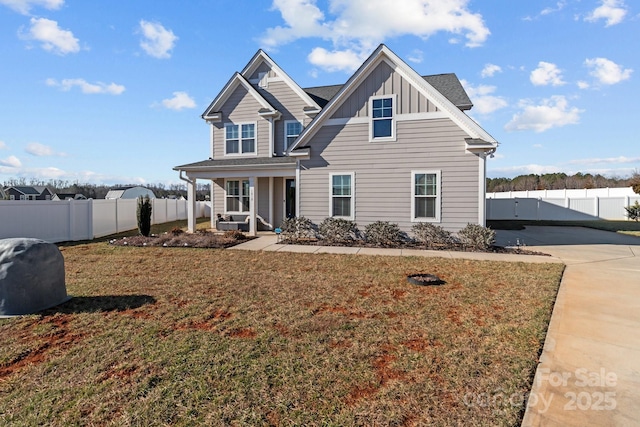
<point>31,276</point>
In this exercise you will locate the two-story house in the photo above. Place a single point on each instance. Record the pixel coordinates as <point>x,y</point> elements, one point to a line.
<point>23,192</point>
<point>388,145</point>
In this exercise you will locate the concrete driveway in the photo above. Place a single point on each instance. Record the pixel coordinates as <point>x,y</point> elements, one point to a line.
<point>589,370</point>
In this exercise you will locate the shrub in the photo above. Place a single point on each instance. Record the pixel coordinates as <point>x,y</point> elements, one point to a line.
<point>297,228</point>
<point>383,233</point>
<point>176,231</point>
<point>633,211</point>
<point>475,236</point>
<point>143,214</point>
<point>433,236</point>
<point>234,235</point>
<point>336,230</point>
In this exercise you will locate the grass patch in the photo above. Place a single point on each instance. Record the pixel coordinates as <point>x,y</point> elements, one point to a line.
<point>158,336</point>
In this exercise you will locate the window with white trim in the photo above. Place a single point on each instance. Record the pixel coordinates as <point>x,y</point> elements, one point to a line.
<point>263,80</point>
<point>383,124</point>
<point>240,138</point>
<point>342,195</point>
<point>237,195</point>
<point>425,196</point>
<point>292,129</point>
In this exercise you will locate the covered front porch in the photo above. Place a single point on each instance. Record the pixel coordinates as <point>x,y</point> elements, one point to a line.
<point>260,192</point>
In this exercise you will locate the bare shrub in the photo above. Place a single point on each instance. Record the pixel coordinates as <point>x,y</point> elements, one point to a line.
<point>433,236</point>
<point>477,237</point>
<point>383,233</point>
<point>336,230</point>
<point>297,228</point>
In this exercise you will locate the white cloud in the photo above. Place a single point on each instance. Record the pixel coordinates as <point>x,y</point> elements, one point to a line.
<point>357,26</point>
<point>41,150</point>
<point>612,11</point>
<point>549,10</point>
<point>416,56</point>
<point>546,74</point>
<point>550,113</point>
<point>11,162</point>
<point>490,70</point>
<point>53,38</point>
<point>607,160</point>
<point>583,85</point>
<point>158,41</point>
<point>86,87</point>
<point>3,145</point>
<point>24,6</point>
<point>483,100</point>
<point>180,100</point>
<point>607,72</point>
<point>345,60</point>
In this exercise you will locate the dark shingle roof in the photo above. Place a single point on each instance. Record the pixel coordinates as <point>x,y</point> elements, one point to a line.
<point>447,84</point>
<point>252,161</point>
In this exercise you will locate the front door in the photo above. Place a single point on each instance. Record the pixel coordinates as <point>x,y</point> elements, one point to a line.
<point>290,198</point>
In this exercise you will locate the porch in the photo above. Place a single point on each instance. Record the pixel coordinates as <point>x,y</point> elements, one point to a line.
<point>253,194</point>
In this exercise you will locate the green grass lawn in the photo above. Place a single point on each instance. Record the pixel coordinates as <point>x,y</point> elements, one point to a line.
<point>172,336</point>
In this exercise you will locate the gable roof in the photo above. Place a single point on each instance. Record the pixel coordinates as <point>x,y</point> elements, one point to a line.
<point>383,53</point>
<point>236,80</point>
<point>23,189</point>
<point>447,84</point>
<point>261,56</point>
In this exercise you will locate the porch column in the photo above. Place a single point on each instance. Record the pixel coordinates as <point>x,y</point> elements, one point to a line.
<point>253,195</point>
<point>482,188</point>
<point>191,205</point>
<point>271,195</point>
<point>212,220</point>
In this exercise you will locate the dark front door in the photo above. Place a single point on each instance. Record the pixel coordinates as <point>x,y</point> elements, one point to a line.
<point>290,198</point>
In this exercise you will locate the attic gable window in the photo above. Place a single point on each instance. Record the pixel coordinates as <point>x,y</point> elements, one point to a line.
<point>383,125</point>
<point>240,138</point>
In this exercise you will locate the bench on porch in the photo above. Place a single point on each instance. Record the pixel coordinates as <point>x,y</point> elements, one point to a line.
<point>232,222</point>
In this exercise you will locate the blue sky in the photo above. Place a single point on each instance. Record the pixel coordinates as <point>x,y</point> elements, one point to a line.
<point>111,92</point>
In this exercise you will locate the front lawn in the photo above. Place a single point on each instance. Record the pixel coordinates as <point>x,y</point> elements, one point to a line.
<point>177,336</point>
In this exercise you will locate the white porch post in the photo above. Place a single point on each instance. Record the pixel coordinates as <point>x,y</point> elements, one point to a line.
<point>191,206</point>
<point>482,188</point>
<point>252,206</point>
<point>213,205</point>
<point>271,195</point>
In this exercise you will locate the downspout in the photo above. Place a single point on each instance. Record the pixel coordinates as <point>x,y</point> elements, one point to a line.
<point>482,190</point>
<point>191,202</point>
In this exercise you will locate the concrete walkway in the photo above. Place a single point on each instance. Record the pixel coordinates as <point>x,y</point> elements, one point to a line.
<point>589,370</point>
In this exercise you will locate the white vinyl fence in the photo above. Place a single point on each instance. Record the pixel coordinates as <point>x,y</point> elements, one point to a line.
<point>561,205</point>
<point>72,220</point>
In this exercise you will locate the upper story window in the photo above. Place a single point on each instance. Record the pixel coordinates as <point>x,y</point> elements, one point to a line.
<point>425,197</point>
<point>382,118</point>
<point>240,138</point>
<point>292,129</point>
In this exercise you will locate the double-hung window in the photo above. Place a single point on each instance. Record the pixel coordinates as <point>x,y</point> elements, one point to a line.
<point>425,197</point>
<point>240,138</point>
<point>292,129</point>
<point>342,195</point>
<point>383,125</point>
<point>237,195</point>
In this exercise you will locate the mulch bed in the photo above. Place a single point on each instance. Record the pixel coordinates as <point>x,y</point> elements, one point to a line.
<point>199,239</point>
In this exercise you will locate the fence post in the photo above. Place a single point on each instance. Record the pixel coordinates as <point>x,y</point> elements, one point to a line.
<point>90,219</point>
<point>596,203</point>
<point>72,218</point>
<point>116,216</point>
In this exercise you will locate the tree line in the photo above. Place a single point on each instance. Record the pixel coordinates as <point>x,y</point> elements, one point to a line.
<point>94,191</point>
<point>559,181</point>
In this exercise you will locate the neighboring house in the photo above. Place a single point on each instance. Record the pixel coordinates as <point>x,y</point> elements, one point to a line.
<point>69,196</point>
<point>28,193</point>
<point>130,192</point>
<point>387,145</point>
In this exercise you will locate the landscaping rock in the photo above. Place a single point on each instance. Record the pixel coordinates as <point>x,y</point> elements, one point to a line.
<point>31,276</point>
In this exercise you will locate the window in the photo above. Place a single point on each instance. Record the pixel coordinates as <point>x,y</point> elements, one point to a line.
<point>425,201</point>
<point>342,195</point>
<point>292,129</point>
<point>240,139</point>
<point>237,197</point>
<point>382,123</point>
<point>263,80</point>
